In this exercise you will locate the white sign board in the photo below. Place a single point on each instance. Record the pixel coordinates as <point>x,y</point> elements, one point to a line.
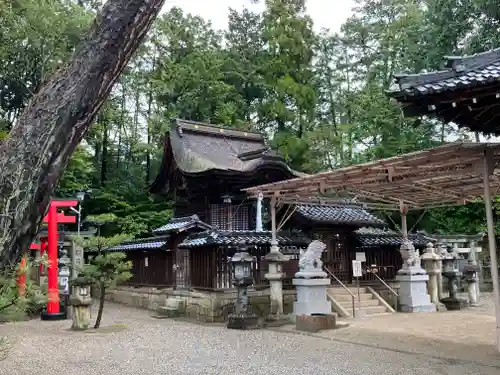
<point>63,281</point>
<point>361,257</point>
<point>356,268</point>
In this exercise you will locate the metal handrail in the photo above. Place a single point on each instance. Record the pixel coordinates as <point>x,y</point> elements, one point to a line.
<point>353,297</point>
<point>386,285</point>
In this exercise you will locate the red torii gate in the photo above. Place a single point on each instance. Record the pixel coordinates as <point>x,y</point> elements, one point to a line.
<point>53,218</point>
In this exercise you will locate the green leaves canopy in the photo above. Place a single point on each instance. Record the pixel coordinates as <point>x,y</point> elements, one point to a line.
<point>320,97</point>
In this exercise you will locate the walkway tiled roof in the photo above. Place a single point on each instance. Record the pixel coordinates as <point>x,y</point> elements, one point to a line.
<point>151,243</point>
<point>233,238</point>
<point>181,223</point>
<point>339,214</point>
<point>463,72</point>
<point>374,237</point>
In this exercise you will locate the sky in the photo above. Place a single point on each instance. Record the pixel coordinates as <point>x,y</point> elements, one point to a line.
<point>328,14</point>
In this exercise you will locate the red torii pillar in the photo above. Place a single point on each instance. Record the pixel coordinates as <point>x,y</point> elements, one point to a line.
<point>52,219</point>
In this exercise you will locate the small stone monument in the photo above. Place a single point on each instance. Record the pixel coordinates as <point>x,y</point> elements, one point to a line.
<point>470,271</point>
<point>432,264</point>
<point>413,296</point>
<point>311,283</point>
<point>81,301</point>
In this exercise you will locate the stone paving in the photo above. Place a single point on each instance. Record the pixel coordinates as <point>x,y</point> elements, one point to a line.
<point>134,343</point>
<point>455,335</point>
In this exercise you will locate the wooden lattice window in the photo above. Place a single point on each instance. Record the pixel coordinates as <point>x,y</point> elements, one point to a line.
<point>240,218</point>
<point>220,214</point>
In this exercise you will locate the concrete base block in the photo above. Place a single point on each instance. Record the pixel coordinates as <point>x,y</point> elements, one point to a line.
<point>311,297</point>
<point>315,323</point>
<point>413,296</point>
<point>243,321</point>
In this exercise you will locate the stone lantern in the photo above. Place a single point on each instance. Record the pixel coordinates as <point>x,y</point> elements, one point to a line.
<point>432,264</point>
<point>81,301</point>
<point>241,269</point>
<point>452,273</point>
<point>470,271</point>
<point>63,278</point>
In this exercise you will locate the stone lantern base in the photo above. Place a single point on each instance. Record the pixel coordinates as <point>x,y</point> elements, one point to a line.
<point>453,303</point>
<point>243,321</point>
<point>413,296</point>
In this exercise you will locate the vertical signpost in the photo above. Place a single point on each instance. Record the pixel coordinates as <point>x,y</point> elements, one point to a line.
<point>357,272</point>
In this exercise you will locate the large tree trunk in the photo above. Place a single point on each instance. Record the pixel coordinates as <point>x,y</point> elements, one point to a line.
<point>40,144</point>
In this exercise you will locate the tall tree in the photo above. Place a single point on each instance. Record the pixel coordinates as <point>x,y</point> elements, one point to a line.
<point>40,144</point>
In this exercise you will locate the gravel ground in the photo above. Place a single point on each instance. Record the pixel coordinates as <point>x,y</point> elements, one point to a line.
<point>151,346</point>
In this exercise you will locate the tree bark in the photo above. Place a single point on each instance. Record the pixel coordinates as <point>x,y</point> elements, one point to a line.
<point>102,298</point>
<point>105,145</point>
<point>40,144</point>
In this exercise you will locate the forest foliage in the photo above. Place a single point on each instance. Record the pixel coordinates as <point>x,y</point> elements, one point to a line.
<point>319,96</point>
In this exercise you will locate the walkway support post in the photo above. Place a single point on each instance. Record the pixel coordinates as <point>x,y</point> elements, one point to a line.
<point>488,168</point>
<point>275,275</point>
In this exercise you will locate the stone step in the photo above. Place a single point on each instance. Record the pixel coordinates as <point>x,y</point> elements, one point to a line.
<point>348,297</point>
<point>360,304</point>
<point>373,310</point>
<point>353,290</point>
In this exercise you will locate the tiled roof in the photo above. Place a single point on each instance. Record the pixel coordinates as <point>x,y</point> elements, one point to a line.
<point>374,237</point>
<point>182,223</point>
<point>232,238</point>
<point>462,72</point>
<point>339,214</point>
<point>151,243</point>
<point>195,148</point>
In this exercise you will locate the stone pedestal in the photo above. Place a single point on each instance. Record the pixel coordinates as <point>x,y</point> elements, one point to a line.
<point>471,270</point>
<point>472,291</point>
<point>81,317</point>
<point>315,323</point>
<point>275,276</point>
<point>81,301</point>
<point>243,321</point>
<point>311,296</point>
<point>413,296</point>
<point>432,264</point>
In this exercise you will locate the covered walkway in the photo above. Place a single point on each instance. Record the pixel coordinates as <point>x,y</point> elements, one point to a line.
<point>452,174</point>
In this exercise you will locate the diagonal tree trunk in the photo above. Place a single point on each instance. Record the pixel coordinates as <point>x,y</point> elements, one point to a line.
<point>40,144</point>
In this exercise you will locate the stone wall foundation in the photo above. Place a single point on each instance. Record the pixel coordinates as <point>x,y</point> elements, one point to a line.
<point>207,306</point>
